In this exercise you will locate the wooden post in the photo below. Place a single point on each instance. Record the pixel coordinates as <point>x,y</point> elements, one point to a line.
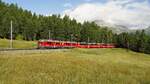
<point>11,35</point>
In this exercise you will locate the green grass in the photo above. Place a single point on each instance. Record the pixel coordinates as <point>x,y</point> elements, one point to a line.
<point>4,43</point>
<point>75,66</point>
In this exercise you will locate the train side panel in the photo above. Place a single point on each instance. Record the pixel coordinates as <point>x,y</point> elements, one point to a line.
<point>66,44</point>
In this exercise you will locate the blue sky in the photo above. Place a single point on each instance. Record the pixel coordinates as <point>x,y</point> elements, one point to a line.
<point>52,6</point>
<point>49,6</point>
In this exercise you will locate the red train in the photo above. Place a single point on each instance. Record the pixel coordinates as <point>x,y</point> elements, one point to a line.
<point>68,44</point>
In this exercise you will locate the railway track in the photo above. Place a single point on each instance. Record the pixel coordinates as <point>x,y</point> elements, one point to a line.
<point>22,52</point>
<point>23,49</point>
<point>17,49</point>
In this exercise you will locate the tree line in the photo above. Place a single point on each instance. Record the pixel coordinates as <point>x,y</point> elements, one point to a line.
<point>138,41</point>
<point>30,26</point>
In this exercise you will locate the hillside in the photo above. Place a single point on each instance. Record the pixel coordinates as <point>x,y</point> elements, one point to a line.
<point>31,26</point>
<point>76,66</point>
<point>116,28</point>
<point>4,43</point>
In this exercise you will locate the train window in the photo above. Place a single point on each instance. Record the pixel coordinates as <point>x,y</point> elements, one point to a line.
<point>57,43</point>
<point>83,43</point>
<point>50,43</point>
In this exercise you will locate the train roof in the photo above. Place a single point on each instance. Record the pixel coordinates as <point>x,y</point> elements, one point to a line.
<point>56,41</point>
<point>43,40</point>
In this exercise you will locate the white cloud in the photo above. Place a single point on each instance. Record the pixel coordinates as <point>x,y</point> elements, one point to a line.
<point>123,12</point>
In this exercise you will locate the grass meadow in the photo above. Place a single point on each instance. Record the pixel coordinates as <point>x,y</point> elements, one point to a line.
<point>4,43</point>
<point>74,66</point>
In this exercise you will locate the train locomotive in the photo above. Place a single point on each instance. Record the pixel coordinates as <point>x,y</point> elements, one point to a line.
<point>53,44</point>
